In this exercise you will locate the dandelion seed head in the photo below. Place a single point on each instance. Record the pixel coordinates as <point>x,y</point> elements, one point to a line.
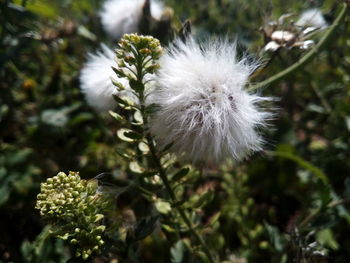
<point>157,9</point>
<point>120,17</point>
<point>96,80</point>
<point>312,18</point>
<point>204,110</point>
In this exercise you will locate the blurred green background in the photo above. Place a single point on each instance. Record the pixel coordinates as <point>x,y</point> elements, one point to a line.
<point>46,127</point>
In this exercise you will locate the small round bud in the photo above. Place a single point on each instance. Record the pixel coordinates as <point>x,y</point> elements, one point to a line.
<point>76,208</point>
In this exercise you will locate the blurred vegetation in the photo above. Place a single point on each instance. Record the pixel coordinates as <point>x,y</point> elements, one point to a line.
<point>271,208</point>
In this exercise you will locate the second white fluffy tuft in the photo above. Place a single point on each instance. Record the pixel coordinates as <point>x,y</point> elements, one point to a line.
<point>312,17</point>
<point>204,110</point>
<point>96,80</point>
<point>120,17</point>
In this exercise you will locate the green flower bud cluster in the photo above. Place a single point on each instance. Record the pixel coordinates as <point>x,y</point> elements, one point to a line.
<point>139,52</point>
<point>75,207</point>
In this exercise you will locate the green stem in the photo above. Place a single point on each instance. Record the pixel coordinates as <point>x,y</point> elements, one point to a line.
<point>165,179</point>
<point>159,167</point>
<point>309,56</point>
<point>171,193</point>
<point>323,100</point>
<point>333,204</point>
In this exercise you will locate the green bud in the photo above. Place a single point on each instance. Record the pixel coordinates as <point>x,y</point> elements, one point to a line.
<point>85,255</point>
<point>76,208</point>
<point>49,181</point>
<point>136,51</point>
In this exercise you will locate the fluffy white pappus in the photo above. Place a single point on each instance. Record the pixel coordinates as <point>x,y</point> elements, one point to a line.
<point>204,110</point>
<point>96,80</point>
<point>312,17</point>
<point>157,9</point>
<point>121,17</point>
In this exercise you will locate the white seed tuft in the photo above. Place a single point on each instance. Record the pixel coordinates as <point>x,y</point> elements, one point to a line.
<point>203,109</point>
<point>121,17</point>
<point>96,80</point>
<point>312,18</point>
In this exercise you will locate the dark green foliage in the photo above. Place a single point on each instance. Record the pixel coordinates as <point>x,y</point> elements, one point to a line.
<point>271,208</point>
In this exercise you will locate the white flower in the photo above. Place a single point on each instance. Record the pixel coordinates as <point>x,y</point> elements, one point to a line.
<point>96,80</point>
<point>204,110</point>
<point>312,18</point>
<point>120,17</point>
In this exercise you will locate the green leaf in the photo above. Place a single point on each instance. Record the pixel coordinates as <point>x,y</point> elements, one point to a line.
<point>4,193</point>
<point>347,122</point>
<point>19,157</point>
<point>136,85</point>
<point>135,167</point>
<point>276,239</point>
<point>3,172</point>
<point>179,203</point>
<point>81,118</point>
<point>124,102</point>
<point>149,174</point>
<point>133,135</point>
<point>167,147</point>
<point>144,228</point>
<point>341,209</point>
<point>138,118</point>
<point>315,108</point>
<point>116,116</point>
<point>305,164</point>
<point>86,33</point>
<point>120,73</point>
<point>143,147</point>
<point>128,135</point>
<point>181,252</point>
<point>326,238</point>
<point>203,200</point>
<point>44,249</point>
<point>4,109</point>
<point>58,117</point>
<point>45,8</point>
<point>163,207</point>
<point>118,85</point>
<point>214,219</point>
<point>181,174</point>
<point>125,155</point>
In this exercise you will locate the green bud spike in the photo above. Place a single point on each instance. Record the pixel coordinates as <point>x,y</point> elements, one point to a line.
<point>76,208</point>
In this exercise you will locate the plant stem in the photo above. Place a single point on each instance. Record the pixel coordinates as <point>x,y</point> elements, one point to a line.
<point>323,100</point>
<point>308,56</point>
<point>171,193</point>
<point>159,167</point>
<point>310,217</point>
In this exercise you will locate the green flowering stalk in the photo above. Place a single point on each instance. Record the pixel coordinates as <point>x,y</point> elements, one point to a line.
<point>75,207</point>
<point>137,59</point>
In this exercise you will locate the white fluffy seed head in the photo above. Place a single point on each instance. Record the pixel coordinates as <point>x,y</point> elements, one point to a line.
<point>312,17</point>
<point>96,80</point>
<point>157,9</point>
<point>204,110</point>
<point>120,17</point>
